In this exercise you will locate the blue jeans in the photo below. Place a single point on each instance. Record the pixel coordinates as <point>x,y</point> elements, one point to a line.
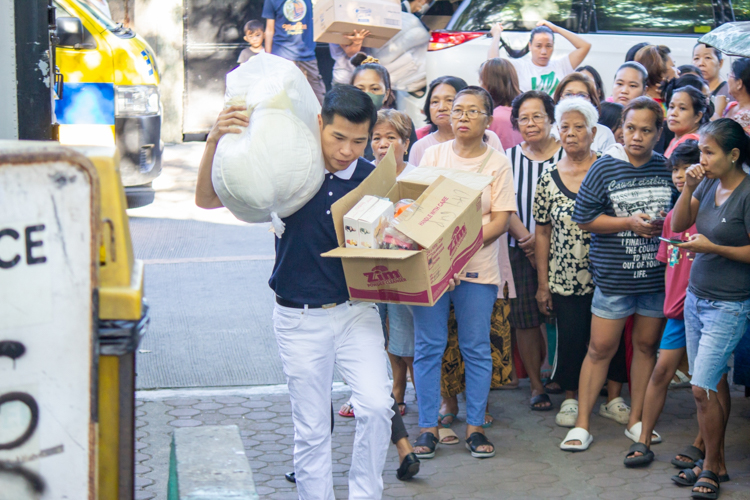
<point>621,306</point>
<point>472,304</point>
<point>713,328</point>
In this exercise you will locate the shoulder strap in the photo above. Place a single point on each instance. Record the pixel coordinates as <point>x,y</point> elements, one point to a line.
<point>486,159</point>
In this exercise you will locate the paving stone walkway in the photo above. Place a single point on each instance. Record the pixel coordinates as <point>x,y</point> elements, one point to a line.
<point>528,464</point>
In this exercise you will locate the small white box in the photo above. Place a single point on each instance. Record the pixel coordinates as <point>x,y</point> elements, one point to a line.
<point>351,219</point>
<point>370,222</point>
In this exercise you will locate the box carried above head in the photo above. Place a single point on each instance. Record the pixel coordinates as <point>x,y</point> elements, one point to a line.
<point>446,224</point>
<point>333,19</point>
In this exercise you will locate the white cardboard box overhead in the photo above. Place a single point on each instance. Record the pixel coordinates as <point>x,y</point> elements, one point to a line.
<point>333,19</point>
<point>447,224</point>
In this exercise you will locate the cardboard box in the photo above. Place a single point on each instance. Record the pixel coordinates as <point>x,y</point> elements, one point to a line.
<point>370,222</point>
<point>351,220</point>
<point>448,225</point>
<point>332,19</point>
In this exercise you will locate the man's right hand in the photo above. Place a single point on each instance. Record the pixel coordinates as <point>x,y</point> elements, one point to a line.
<point>227,122</point>
<point>357,37</point>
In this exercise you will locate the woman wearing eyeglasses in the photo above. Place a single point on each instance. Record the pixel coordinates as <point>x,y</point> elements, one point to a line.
<point>473,299</point>
<point>532,114</point>
<point>580,85</point>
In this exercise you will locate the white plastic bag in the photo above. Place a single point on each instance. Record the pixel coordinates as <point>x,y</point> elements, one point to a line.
<point>405,55</point>
<point>275,166</point>
<point>412,34</point>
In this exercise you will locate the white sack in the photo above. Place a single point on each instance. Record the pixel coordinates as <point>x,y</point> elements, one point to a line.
<point>275,166</point>
<point>412,34</point>
<point>405,55</point>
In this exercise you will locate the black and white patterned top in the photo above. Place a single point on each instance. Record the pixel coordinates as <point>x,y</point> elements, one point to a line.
<point>569,245</point>
<point>526,173</point>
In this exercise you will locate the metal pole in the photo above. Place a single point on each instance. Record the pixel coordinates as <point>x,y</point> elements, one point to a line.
<point>33,70</point>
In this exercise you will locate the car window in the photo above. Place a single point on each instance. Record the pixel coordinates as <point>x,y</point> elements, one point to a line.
<point>661,16</point>
<point>440,14</point>
<point>741,10</point>
<point>515,14</point>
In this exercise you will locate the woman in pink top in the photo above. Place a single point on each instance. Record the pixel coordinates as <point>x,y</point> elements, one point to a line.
<point>474,298</point>
<point>437,110</point>
<point>499,78</point>
<point>687,111</point>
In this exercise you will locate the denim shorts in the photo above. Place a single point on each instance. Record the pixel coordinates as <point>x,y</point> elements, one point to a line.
<point>400,331</point>
<point>621,306</point>
<point>713,328</point>
<point>674,335</point>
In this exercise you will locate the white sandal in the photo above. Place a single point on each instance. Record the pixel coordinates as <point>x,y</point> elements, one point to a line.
<point>568,413</point>
<point>577,434</point>
<point>634,433</point>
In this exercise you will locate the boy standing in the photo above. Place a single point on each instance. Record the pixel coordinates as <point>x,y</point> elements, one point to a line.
<point>289,34</point>
<point>254,36</point>
<point>317,327</point>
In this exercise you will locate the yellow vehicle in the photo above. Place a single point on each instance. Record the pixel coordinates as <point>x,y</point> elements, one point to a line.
<point>109,94</point>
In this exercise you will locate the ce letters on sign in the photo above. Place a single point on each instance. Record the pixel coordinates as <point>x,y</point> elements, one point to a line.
<point>26,273</point>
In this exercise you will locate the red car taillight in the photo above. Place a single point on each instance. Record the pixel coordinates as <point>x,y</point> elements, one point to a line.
<point>445,39</point>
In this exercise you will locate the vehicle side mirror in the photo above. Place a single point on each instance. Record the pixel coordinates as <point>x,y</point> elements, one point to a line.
<point>69,32</point>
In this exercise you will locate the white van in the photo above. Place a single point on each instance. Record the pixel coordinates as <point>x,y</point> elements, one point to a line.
<point>460,41</point>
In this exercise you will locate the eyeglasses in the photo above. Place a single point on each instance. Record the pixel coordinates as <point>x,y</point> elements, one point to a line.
<point>473,114</point>
<point>571,94</point>
<point>538,118</point>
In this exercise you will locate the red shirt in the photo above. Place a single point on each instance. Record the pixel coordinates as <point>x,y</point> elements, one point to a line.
<point>676,142</point>
<point>678,262</point>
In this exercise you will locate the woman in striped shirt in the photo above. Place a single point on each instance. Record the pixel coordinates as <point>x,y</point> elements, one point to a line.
<point>532,114</point>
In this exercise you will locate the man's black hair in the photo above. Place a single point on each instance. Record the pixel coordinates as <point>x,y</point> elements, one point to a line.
<point>253,26</point>
<point>350,103</point>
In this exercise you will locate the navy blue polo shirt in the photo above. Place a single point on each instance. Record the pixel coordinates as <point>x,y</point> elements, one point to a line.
<point>300,274</point>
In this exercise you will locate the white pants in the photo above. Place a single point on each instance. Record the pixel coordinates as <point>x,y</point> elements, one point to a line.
<point>311,342</point>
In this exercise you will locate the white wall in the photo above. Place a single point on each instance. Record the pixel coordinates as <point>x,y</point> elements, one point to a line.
<point>8,96</point>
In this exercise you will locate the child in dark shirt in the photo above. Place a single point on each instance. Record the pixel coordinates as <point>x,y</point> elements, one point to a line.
<point>254,35</point>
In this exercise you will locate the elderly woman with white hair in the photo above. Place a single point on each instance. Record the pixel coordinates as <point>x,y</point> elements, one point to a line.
<point>562,248</point>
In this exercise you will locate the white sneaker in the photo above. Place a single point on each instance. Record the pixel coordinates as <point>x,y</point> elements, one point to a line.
<point>568,413</point>
<point>616,410</point>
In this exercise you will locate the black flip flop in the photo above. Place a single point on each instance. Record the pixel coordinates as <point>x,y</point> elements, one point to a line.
<point>690,477</point>
<point>714,493</point>
<point>690,452</point>
<point>476,440</point>
<point>542,398</point>
<point>647,456</point>
<point>426,440</point>
<point>409,467</point>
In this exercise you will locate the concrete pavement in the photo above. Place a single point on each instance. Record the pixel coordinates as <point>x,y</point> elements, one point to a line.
<point>528,464</point>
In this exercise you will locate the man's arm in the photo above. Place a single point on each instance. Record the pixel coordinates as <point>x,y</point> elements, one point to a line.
<point>270,29</point>
<point>227,123</point>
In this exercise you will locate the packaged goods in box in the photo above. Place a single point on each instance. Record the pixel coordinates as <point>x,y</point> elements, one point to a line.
<point>374,222</point>
<point>351,219</point>
<point>446,223</point>
<point>275,166</point>
<point>333,19</point>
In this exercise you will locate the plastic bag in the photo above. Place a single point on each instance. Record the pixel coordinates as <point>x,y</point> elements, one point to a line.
<point>393,239</point>
<point>275,166</point>
<point>405,55</point>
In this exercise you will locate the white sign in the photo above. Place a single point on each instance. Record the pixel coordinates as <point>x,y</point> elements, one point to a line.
<point>47,279</point>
